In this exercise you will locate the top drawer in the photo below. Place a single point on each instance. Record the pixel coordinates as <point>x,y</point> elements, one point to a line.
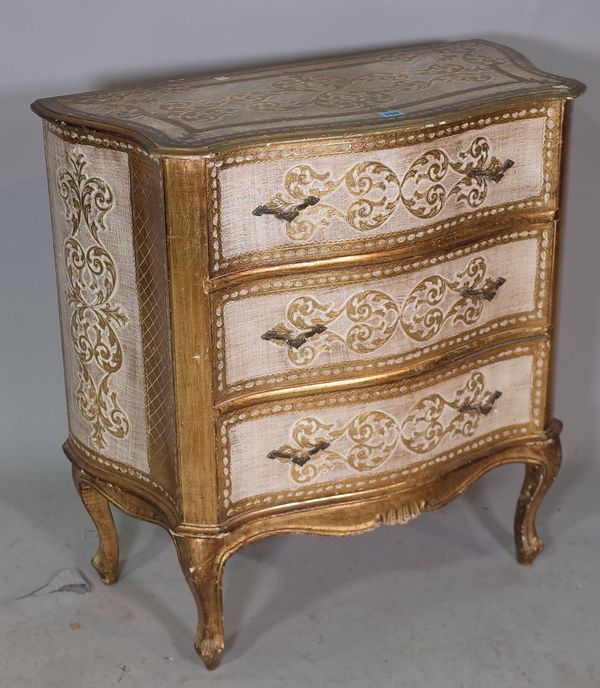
<point>323,199</point>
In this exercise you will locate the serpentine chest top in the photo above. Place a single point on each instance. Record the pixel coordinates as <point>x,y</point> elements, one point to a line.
<point>311,297</point>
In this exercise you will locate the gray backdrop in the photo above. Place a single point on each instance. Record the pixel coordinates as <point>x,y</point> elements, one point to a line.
<point>49,48</point>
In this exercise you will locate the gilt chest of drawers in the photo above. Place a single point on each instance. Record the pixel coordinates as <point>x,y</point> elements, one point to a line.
<point>314,297</point>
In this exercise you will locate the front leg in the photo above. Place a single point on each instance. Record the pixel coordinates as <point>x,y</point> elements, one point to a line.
<point>539,475</point>
<point>202,561</point>
<point>106,559</point>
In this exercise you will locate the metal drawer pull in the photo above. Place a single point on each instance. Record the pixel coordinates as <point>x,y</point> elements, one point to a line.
<point>488,291</point>
<point>283,210</point>
<point>294,342</point>
<point>484,407</point>
<point>299,458</point>
<point>495,171</point>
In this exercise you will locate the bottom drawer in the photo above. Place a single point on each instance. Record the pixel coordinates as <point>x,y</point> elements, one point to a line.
<point>344,442</point>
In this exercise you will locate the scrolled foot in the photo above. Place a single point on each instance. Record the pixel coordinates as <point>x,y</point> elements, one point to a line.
<point>107,570</point>
<point>210,650</point>
<point>106,559</point>
<point>528,551</point>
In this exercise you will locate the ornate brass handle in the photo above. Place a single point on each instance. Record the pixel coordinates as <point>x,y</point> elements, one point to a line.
<point>299,458</point>
<point>283,210</point>
<point>294,342</point>
<point>495,171</point>
<point>488,291</point>
<point>484,407</point>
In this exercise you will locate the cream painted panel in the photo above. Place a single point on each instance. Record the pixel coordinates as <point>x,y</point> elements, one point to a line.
<point>375,323</point>
<point>383,429</point>
<point>390,203</point>
<point>92,227</point>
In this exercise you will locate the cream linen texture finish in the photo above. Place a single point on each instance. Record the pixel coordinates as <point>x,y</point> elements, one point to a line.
<point>92,228</point>
<point>388,429</point>
<point>245,187</point>
<point>378,318</point>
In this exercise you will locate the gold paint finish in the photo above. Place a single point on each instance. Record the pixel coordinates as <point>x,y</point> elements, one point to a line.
<point>106,559</point>
<point>374,314</point>
<point>355,92</point>
<point>422,318</point>
<point>373,436</point>
<point>375,317</point>
<point>92,285</point>
<point>424,427</point>
<point>442,417</point>
<point>192,347</point>
<point>150,247</point>
<point>309,238</point>
<point>180,138</point>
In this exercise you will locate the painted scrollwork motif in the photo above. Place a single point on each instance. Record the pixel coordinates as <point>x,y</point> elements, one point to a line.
<point>423,316</point>
<point>424,189</point>
<point>95,317</point>
<point>434,417</point>
<point>374,186</point>
<point>371,438</point>
<point>377,192</point>
<point>327,91</point>
<point>372,314</point>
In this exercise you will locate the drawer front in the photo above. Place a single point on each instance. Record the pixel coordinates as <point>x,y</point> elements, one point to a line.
<point>371,193</point>
<point>367,321</point>
<point>365,438</point>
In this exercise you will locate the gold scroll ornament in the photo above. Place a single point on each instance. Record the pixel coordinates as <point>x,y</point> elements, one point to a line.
<point>95,317</point>
<point>374,315</point>
<point>372,436</point>
<point>430,181</point>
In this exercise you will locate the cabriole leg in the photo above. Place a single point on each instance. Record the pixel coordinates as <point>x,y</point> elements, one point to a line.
<point>539,475</point>
<point>106,559</point>
<point>202,561</point>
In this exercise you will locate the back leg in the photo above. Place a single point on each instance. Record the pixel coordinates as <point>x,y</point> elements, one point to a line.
<point>106,559</point>
<point>539,475</point>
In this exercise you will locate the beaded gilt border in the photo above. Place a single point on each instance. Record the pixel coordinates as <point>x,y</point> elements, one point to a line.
<point>87,138</point>
<point>551,111</point>
<point>121,468</point>
<point>539,351</point>
<point>543,235</point>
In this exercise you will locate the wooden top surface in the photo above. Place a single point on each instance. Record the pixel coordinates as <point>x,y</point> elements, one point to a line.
<point>393,87</point>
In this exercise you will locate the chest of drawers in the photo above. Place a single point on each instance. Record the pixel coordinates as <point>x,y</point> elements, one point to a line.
<point>315,297</point>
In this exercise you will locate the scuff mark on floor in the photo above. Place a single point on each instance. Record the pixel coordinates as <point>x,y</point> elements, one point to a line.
<point>124,669</point>
<point>66,580</point>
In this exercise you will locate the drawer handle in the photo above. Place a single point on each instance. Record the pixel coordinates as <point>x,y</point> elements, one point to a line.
<point>294,342</point>
<point>495,171</point>
<point>283,210</point>
<point>299,458</point>
<point>484,407</point>
<point>487,292</point>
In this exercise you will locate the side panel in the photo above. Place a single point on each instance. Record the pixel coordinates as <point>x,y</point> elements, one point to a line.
<point>150,246</point>
<point>110,256</point>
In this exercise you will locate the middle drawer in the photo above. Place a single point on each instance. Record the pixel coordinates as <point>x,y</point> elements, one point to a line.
<point>368,320</point>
